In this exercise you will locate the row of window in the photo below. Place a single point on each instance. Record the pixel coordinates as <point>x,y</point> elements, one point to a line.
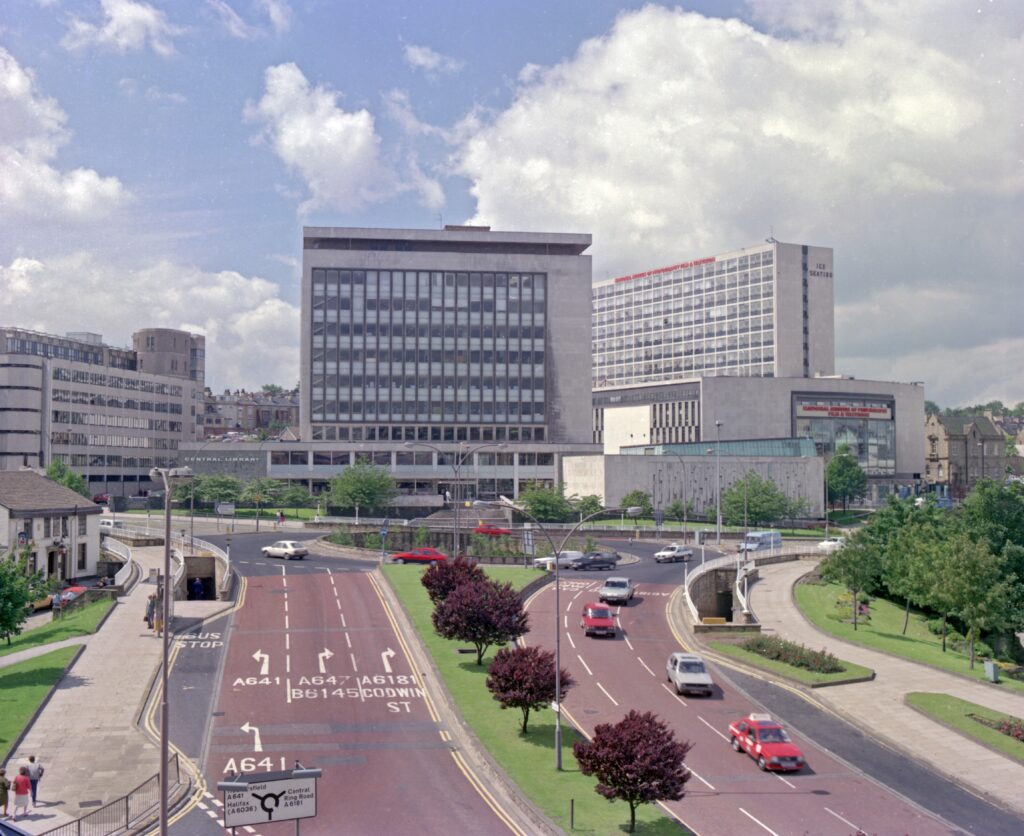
<point>681,297</point>
<point>475,411</point>
<point>59,416</point>
<point>94,461</point>
<point>75,439</point>
<point>415,283</point>
<point>74,353</point>
<point>94,399</point>
<point>112,381</point>
<point>408,458</point>
<point>432,433</point>
<point>723,267</point>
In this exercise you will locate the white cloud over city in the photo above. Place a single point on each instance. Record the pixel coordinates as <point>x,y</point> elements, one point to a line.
<point>124,26</point>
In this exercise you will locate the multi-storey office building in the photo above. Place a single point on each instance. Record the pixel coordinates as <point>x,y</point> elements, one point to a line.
<point>763,311</point>
<point>459,334</point>
<point>109,413</point>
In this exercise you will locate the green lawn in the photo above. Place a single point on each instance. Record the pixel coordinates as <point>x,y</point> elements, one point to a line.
<point>80,622</point>
<point>23,687</point>
<point>884,632</point>
<point>956,713</point>
<point>529,760</point>
<point>801,675</point>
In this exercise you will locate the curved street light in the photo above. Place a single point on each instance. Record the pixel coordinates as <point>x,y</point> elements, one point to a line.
<point>456,465</point>
<point>505,502</point>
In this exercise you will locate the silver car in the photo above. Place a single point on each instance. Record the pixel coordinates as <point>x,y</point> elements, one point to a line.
<point>689,674</point>
<point>616,591</point>
<point>287,549</point>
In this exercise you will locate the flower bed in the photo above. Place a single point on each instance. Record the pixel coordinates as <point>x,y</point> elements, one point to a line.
<point>791,653</point>
<point>1010,726</point>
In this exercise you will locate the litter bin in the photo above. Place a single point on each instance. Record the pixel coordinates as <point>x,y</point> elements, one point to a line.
<point>991,671</point>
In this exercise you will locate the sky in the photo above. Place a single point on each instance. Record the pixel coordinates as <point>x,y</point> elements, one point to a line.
<point>158,160</point>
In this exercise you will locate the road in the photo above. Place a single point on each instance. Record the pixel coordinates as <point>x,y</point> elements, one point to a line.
<point>314,670</point>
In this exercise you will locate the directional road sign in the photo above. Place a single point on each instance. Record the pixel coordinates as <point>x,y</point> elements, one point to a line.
<point>283,799</point>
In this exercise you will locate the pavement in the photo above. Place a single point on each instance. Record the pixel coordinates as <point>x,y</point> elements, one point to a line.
<point>87,736</point>
<point>878,706</point>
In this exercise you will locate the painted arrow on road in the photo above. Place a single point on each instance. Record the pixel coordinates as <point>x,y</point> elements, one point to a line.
<point>385,656</point>
<point>265,667</point>
<point>323,657</point>
<point>257,743</point>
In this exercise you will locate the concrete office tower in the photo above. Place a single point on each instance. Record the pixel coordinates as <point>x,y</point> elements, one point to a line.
<point>449,335</point>
<point>109,413</point>
<point>763,311</point>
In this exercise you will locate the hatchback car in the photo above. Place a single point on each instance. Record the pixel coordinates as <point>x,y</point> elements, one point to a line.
<point>672,553</point>
<point>565,559</point>
<point>596,560</point>
<point>831,544</point>
<point>425,554</point>
<point>617,591</point>
<point>688,673</point>
<point>492,530</point>
<point>287,549</point>
<point>597,620</point>
<point>766,742</point>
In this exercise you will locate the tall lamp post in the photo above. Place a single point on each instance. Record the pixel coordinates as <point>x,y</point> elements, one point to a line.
<point>718,483</point>
<point>168,476</point>
<point>505,502</point>
<point>460,457</point>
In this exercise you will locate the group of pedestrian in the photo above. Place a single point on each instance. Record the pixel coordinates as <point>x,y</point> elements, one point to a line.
<point>154,614</point>
<point>24,787</point>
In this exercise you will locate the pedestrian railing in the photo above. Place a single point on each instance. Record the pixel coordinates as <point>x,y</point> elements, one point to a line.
<point>122,814</point>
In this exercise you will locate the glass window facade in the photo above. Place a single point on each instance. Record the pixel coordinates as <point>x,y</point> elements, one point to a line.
<point>715,316</point>
<point>866,425</point>
<point>404,355</point>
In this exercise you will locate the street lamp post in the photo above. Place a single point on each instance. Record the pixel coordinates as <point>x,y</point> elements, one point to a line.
<point>632,511</point>
<point>456,465</point>
<point>718,483</point>
<point>167,476</point>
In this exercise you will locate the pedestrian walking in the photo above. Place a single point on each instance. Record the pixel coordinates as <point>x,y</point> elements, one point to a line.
<point>158,614</point>
<point>150,610</point>
<point>35,772</point>
<point>280,517</point>
<point>5,789</point>
<point>197,589</point>
<point>22,792</point>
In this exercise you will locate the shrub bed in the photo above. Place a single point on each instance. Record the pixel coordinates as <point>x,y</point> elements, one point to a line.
<point>791,653</point>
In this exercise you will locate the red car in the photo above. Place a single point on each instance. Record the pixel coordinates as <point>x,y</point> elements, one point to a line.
<point>421,555</point>
<point>597,620</point>
<point>766,742</point>
<point>492,530</point>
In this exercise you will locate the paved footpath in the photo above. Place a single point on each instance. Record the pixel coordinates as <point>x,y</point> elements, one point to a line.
<point>86,737</point>
<point>878,706</point>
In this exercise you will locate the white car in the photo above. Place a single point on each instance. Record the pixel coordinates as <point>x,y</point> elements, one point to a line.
<point>672,553</point>
<point>830,544</point>
<point>287,549</point>
<point>616,591</point>
<point>565,559</point>
<point>688,673</point>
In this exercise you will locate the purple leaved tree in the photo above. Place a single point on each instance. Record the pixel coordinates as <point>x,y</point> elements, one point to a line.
<point>524,678</point>
<point>482,613</point>
<point>444,575</point>
<point>637,760</point>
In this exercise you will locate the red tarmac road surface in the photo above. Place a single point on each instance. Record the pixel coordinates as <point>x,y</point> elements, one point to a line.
<point>727,793</point>
<point>306,677</point>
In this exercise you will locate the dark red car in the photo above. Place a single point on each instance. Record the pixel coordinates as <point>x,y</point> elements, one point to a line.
<point>766,742</point>
<point>492,530</point>
<point>420,555</point>
<point>597,620</point>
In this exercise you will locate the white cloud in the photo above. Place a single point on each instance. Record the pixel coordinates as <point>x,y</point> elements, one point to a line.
<point>336,152</point>
<point>280,14</point>
<point>126,26</point>
<point>431,62</point>
<point>888,131</point>
<point>32,130</point>
<point>235,312</point>
<point>236,27</point>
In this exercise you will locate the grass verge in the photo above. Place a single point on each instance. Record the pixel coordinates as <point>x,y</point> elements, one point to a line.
<point>80,622</point>
<point>802,675</point>
<point>884,632</point>
<point>956,714</point>
<point>23,687</point>
<point>529,759</point>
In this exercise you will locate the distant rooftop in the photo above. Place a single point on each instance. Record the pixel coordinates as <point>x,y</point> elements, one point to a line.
<point>462,239</point>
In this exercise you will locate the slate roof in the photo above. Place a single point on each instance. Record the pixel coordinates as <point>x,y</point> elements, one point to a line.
<point>25,493</point>
<point>955,424</point>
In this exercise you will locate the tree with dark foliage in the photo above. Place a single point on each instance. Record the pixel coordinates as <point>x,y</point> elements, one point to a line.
<point>524,678</point>
<point>482,613</point>
<point>444,575</point>
<point>637,760</point>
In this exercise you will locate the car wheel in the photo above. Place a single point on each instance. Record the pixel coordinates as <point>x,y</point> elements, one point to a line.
<point>398,560</point>
<point>762,764</point>
<point>735,744</point>
<point>679,690</point>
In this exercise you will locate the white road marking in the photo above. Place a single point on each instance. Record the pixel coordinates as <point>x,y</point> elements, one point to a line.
<point>695,775</point>
<point>569,637</point>
<point>599,685</point>
<point>348,641</point>
<point>766,827</point>
<point>202,806</point>
<point>286,622</point>
<point>568,606</point>
<point>844,821</point>
<point>258,563</point>
<point>288,686</point>
<point>287,642</point>
<point>584,664</point>
<point>337,602</point>
<point>673,693</point>
<point>248,829</point>
<point>784,781</point>
<point>286,605</point>
<point>334,589</point>
<point>355,667</point>
<point>217,802</point>
<point>626,638</point>
<point>343,624</point>
<point>716,731</point>
<point>642,662</point>
<point>287,664</point>
<point>565,622</point>
<point>212,814</point>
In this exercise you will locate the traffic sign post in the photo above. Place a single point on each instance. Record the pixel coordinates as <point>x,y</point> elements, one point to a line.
<point>261,798</point>
<point>383,537</point>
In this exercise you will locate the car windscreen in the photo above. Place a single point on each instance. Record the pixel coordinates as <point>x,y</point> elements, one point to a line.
<point>773,736</point>
<point>599,613</point>
<point>692,667</point>
<point>616,584</point>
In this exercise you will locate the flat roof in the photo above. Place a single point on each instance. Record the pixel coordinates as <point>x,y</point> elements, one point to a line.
<point>450,239</point>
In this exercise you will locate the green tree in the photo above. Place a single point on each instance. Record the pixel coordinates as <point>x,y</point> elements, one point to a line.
<point>18,588</point>
<point>753,501</point>
<point>910,558</point>
<point>60,473</point>
<point>846,479</point>
<point>638,499</point>
<point>678,511</point>
<point>272,389</point>
<point>932,408</point>
<point>547,504</point>
<point>261,492</point>
<point>855,566</point>
<point>295,496</point>
<point>362,485</point>
<point>216,489</point>
<point>587,505</point>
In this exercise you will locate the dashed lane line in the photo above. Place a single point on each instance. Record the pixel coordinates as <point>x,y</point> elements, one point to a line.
<point>626,639</point>
<point>569,637</point>
<point>355,667</point>
<point>705,783</point>
<point>716,731</point>
<point>642,662</point>
<point>784,781</point>
<point>614,701</point>
<point>673,693</point>
<point>584,664</point>
<point>761,823</point>
<point>847,822</point>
